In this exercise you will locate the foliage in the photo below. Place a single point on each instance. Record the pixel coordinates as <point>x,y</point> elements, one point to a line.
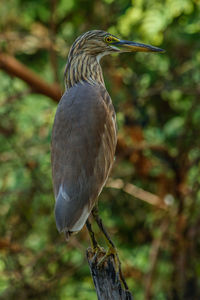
<point>157,103</point>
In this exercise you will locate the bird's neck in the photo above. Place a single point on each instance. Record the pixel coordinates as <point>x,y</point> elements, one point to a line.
<point>83,68</point>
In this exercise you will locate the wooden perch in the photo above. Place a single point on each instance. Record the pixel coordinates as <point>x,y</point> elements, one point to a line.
<point>13,67</point>
<point>105,277</point>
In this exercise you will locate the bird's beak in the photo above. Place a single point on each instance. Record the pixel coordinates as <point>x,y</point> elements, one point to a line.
<point>127,46</point>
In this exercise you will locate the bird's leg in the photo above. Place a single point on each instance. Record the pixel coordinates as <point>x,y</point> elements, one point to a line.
<point>99,222</point>
<point>92,236</point>
<point>112,249</point>
<point>95,246</point>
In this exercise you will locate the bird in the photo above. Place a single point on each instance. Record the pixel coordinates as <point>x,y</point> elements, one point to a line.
<point>84,134</point>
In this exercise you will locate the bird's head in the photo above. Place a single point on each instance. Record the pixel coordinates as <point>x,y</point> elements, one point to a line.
<point>99,43</point>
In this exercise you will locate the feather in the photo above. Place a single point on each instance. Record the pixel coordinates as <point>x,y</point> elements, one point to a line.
<point>83,147</point>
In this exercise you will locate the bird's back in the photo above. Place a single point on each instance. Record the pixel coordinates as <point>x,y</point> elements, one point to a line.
<point>83,147</point>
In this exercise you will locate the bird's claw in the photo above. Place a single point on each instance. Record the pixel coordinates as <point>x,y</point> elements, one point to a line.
<point>96,252</point>
<point>111,252</point>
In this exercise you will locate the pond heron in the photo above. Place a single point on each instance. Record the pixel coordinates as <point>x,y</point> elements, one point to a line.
<point>84,132</point>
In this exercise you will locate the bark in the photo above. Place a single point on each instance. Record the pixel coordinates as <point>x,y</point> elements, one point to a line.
<point>105,277</point>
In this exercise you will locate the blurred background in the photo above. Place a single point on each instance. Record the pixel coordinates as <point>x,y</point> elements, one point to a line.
<point>151,203</point>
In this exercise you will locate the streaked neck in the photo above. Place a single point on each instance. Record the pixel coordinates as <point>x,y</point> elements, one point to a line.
<point>83,67</point>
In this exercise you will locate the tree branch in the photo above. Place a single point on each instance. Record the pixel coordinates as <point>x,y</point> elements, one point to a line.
<point>153,258</point>
<point>138,193</point>
<point>13,67</point>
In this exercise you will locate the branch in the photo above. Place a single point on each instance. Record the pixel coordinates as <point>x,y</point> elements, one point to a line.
<point>106,278</point>
<point>153,258</point>
<point>13,67</point>
<point>137,192</point>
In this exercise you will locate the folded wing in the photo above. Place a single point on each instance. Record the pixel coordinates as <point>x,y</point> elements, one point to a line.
<point>83,147</point>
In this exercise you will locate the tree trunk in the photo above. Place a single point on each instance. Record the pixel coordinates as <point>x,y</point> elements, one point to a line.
<point>105,277</point>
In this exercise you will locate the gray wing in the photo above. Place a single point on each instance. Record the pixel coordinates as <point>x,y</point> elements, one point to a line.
<point>83,148</point>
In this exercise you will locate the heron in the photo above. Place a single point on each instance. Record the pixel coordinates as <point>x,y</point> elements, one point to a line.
<point>84,135</point>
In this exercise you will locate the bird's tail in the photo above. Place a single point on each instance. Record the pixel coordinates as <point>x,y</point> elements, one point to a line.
<point>69,214</point>
<point>62,212</point>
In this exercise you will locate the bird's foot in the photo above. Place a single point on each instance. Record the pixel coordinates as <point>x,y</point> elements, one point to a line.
<point>110,252</point>
<point>96,253</point>
<point>98,249</point>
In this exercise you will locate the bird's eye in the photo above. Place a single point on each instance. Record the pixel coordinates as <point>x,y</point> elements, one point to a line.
<point>108,39</point>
